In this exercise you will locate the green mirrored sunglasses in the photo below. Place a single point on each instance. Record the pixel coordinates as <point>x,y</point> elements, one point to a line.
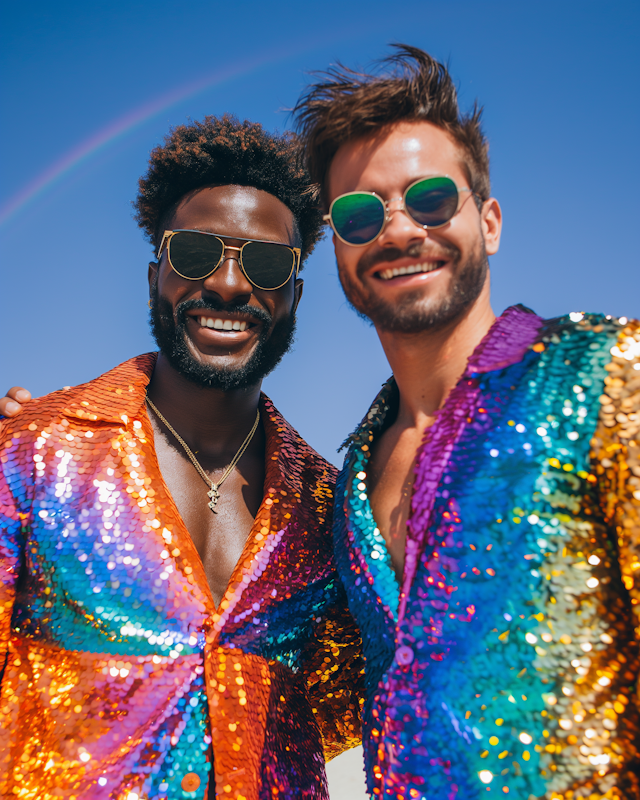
<point>358,218</point>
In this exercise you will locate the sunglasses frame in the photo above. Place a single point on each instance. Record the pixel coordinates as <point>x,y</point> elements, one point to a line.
<point>403,207</point>
<point>168,235</point>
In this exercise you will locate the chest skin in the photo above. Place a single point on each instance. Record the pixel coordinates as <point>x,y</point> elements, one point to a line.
<point>218,537</point>
<point>390,483</point>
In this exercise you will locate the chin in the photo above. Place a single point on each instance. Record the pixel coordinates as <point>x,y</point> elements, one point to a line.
<point>415,311</point>
<point>238,373</point>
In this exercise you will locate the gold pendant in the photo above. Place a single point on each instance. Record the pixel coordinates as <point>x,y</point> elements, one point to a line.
<point>213,496</point>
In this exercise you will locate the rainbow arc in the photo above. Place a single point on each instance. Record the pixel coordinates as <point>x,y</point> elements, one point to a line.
<point>124,126</point>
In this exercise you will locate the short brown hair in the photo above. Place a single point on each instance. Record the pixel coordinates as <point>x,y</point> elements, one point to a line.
<point>411,86</point>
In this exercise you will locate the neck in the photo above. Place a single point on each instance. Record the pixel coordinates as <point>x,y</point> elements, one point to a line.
<point>427,365</point>
<point>211,421</point>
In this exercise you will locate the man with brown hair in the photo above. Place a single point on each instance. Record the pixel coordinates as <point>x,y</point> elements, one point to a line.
<point>488,514</point>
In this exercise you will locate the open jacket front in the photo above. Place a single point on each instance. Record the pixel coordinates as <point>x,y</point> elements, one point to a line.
<point>506,661</point>
<point>120,678</point>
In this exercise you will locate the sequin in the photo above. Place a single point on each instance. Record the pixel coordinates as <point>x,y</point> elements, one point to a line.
<point>121,679</point>
<point>520,596</point>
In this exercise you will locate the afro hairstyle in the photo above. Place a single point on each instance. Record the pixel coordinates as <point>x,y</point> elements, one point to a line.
<point>223,150</point>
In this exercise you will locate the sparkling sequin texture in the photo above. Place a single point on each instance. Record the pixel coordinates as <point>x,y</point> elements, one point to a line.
<point>120,679</point>
<point>507,662</point>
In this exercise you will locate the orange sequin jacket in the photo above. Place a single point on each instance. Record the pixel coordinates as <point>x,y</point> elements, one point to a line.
<point>120,678</point>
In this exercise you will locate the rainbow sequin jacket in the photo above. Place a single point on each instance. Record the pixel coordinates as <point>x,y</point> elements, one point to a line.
<point>119,677</point>
<point>507,662</point>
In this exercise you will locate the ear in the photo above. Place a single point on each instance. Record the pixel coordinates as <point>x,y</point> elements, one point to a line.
<point>491,224</point>
<point>152,274</point>
<point>297,293</point>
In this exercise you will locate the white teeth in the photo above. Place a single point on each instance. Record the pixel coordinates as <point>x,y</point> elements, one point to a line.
<point>429,266</point>
<point>222,324</point>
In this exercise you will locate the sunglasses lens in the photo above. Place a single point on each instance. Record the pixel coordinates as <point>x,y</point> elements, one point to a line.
<point>194,255</point>
<point>357,218</point>
<point>432,202</point>
<point>268,266</point>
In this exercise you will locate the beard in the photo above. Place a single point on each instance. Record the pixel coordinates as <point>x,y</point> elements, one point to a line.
<point>414,313</point>
<point>172,339</point>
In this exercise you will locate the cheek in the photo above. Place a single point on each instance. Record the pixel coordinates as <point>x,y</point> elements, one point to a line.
<point>173,287</point>
<point>466,230</point>
<point>347,259</point>
<point>278,304</point>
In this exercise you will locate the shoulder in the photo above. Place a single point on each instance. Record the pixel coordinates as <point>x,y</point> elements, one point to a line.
<point>620,400</point>
<point>385,402</point>
<point>103,399</point>
<point>582,342</point>
<point>296,451</point>
<point>577,325</point>
<point>37,414</point>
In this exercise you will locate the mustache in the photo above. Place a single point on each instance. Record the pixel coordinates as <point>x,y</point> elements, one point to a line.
<point>211,304</point>
<point>444,252</point>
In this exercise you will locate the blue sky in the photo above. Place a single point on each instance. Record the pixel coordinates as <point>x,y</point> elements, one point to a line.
<point>90,88</point>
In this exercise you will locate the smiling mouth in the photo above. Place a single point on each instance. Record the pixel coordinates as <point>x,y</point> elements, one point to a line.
<point>413,269</point>
<point>222,324</point>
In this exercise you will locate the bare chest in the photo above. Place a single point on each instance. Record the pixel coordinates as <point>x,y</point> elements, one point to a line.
<point>218,537</point>
<point>390,481</point>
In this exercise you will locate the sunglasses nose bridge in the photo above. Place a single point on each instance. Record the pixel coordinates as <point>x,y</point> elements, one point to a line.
<point>387,206</point>
<point>403,229</point>
<point>401,207</point>
<point>227,256</point>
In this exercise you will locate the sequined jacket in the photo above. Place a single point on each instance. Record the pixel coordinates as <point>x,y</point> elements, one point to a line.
<point>119,677</point>
<point>507,661</point>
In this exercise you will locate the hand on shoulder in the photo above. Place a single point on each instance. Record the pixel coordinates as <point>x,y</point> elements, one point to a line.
<point>14,400</point>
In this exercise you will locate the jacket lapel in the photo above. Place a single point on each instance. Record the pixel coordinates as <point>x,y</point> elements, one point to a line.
<point>239,683</point>
<point>364,539</point>
<point>508,339</point>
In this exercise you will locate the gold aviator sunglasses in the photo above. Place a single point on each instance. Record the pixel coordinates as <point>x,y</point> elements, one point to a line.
<point>195,255</point>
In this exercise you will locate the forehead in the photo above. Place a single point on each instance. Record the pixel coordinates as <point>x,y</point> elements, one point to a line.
<point>242,212</point>
<point>390,161</point>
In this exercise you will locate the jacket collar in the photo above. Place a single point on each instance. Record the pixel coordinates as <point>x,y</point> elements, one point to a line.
<point>116,396</point>
<point>511,335</point>
<point>514,332</point>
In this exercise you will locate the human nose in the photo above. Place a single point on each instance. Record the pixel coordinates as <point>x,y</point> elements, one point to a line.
<point>400,230</point>
<point>228,281</point>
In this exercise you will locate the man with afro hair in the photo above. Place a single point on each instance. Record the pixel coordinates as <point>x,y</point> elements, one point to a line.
<point>171,622</point>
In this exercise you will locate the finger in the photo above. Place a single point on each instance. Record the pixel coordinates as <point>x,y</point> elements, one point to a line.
<point>9,408</point>
<point>19,394</point>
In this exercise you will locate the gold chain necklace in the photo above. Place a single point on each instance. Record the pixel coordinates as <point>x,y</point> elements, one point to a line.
<point>213,493</point>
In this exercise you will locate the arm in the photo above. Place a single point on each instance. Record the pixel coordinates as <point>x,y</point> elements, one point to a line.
<point>618,454</point>
<point>616,457</point>
<point>11,404</point>
<point>334,671</point>
<point>10,549</point>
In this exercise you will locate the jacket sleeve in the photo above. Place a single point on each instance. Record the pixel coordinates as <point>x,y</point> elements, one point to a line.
<point>617,453</point>
<point>11,522</point>
<point>334,671</point>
